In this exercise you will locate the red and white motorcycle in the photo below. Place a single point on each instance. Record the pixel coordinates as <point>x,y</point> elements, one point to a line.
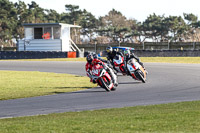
<point>119,64</point>
<point>103,78</point>
<point>136,70</point>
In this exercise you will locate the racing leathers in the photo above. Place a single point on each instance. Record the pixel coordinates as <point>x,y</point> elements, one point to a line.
<point>107,62</point>
<point>132,55</point>
<point>88,68</point>
<point>108,69</point>
<point>111,56</point>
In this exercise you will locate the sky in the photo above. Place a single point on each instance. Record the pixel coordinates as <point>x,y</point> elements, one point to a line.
<point>135,9</point>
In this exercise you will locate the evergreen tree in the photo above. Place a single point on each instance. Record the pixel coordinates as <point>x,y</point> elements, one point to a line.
<point>52,16</point>
<point>8,21</point>
<point>22,17</point>
<point>114,25</point>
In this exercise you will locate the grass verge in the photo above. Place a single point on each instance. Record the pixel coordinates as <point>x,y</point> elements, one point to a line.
<point>18,84</point>
<point>143,59</point>
<point>189,60</point>
<point>47,59</point>
<point>175,117</point>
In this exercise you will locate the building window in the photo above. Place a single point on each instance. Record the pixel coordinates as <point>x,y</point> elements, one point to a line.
<point>38,32</point>
<point>56,32</point>
<point>47,33</point>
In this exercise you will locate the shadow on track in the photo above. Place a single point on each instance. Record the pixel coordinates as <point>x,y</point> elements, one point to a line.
<point>90,90</point>
<point>130,83</point>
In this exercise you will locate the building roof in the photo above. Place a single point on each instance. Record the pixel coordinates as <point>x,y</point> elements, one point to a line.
<point>49,24</point>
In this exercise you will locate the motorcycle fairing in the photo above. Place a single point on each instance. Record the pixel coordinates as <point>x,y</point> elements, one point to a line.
<point>118,60</point>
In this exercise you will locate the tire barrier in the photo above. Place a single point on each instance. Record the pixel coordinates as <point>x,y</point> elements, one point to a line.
<point>35,55</point>
<point>140,53</point>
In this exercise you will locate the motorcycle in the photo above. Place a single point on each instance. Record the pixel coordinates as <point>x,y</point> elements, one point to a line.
<point>102,78</point>
<point>136,70</point>
<point>119,64</point>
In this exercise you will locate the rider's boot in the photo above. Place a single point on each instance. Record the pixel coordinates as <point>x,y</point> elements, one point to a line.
<point>125,71</point>
<point>114,77</point>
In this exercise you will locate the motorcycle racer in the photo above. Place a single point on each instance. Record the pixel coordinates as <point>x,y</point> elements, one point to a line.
<point>88,67</point>
<point>128,55</point>
<point>105,61</point>
<point>93,61</point>
<point>112,53</point>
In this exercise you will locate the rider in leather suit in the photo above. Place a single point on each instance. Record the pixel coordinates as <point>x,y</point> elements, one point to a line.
<point>111,53</point>
<point>128,55</point>
<point>93,61</point>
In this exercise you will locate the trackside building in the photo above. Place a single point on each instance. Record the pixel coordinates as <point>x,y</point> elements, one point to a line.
<point>47,37</point>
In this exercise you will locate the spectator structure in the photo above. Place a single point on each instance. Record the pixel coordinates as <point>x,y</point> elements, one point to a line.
<point>47,37</point>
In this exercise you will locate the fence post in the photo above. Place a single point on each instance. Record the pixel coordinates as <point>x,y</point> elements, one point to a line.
<point>95,47</point>
<point>1,47</point>
<point>168,45</point>
<point>24,45</point>
<point>143,45</point>
<point>193,45</point>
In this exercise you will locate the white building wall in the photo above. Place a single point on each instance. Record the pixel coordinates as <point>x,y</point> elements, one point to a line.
<point>29,33</point>
<point>40,45</point>
<point>65,36</point>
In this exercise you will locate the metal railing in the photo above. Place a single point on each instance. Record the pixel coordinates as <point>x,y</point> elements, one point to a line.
<point>73,46</point>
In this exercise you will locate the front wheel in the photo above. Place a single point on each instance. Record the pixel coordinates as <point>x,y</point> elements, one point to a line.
<point>104,84</point>
<point>114,88</point>
<point>142,78</point>
<point>140,75</point>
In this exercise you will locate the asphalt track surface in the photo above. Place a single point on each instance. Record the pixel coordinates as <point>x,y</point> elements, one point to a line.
<point>167,83</point>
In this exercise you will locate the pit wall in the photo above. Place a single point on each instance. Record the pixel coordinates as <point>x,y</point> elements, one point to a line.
<point>36,55</point>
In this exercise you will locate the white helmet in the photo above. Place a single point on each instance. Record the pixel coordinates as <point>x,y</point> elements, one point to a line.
<point>109,49</point>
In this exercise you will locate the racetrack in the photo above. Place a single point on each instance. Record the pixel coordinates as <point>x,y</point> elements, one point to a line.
<point>166,83</point>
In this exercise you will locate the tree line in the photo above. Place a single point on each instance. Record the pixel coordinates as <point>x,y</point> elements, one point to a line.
<point>111,28</point>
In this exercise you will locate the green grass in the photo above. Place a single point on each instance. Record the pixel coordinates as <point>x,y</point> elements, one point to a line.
<point>143,59</point>
<point>18,84</point>
<point>171,59</point>
<point>181,117</point>
<point>47,59</point>
<point>173,118</point>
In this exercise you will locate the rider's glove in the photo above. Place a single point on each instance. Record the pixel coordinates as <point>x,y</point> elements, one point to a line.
<point>105,67</point>
<point>93,81</point>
